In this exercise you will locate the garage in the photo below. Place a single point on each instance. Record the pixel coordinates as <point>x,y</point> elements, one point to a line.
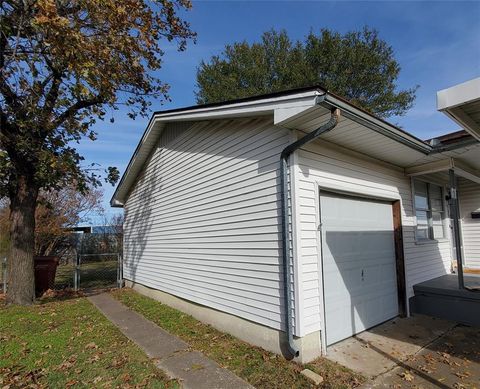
<point>358,261</point>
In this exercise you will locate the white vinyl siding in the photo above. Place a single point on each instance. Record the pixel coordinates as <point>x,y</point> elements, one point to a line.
<point>202,222</point>
<point>325,165</point>
<point>469,199</point>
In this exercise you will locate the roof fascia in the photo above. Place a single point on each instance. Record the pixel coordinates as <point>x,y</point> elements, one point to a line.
<point>458,95</point>
<point>114,201</point>
<point>452,100</point>
<point>248,108</point>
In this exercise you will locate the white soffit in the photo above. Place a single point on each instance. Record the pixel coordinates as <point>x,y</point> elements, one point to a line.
<point>353,135</point>
<point>466,171</point>
<point>430,167</point>
<point>460,167</point>
<point>462,103</point>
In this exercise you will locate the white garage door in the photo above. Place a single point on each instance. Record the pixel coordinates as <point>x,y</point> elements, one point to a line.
<point>360,287</point>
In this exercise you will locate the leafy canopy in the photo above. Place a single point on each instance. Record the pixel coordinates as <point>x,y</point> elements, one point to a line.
<point>63,64</point>
<point>358,65</point>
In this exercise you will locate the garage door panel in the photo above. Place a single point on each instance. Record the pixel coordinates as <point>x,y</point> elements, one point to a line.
<point>358,264</point>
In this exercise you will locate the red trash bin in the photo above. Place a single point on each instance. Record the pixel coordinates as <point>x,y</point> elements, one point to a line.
<point>45,269</point>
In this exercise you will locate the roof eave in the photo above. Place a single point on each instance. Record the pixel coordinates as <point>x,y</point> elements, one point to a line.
<point>453,101</point>
<point>303,98</point>
<point>283,106</point>
<point>376,124</point>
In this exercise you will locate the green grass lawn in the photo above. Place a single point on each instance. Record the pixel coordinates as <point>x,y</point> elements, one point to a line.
<point>64,276</point>
<point>260,368</point>
<point>69,344</point>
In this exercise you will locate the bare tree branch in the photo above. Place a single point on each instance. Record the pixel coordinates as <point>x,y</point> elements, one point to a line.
<point>74,109</point>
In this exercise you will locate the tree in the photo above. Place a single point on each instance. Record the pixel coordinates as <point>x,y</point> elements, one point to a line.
<point>63,63</point>
<point>57,213</point>
<point>358,65</point>
<point>4,229</point>
<point>114,228</point>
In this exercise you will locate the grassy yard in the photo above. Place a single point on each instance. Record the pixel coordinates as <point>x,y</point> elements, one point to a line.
<point>260,368</point>
<point>64,276</point>
<point>69,344</point>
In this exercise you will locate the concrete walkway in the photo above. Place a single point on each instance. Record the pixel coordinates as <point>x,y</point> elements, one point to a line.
<point>170,354</point>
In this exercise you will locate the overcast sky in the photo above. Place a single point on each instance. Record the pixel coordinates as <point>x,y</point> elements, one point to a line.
<point>436,43</point>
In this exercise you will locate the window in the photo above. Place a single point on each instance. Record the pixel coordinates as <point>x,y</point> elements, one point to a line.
<point>429,211</point>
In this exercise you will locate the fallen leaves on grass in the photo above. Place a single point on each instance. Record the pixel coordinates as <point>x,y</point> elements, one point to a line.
<point>407,376</point>
<point>427,369</point>
<point>260,368</point>
<point>465,374</point>
<point>68,363</point>
<point>61,294</point>
<point>91,346</point>
<point>18,377</point>
<point>71,383</point>
<point>60,358</point>
<point>94,358</point>
<point>119,362</point>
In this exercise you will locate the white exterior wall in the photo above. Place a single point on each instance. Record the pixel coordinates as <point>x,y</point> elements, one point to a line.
<point>328,166</point>
<point>469,199</point>
<point>202,222</point>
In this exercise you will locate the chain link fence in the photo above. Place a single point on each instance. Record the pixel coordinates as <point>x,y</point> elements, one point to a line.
<point>98,271</point>
<point>95,261</point>
<point>3,275</point>
<point>65,274</point>
<point>86,271</point>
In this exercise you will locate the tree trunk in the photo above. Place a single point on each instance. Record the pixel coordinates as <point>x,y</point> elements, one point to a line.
<point>21,280</point>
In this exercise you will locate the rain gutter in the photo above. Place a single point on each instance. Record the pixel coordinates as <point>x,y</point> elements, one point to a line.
<point>284,188</point>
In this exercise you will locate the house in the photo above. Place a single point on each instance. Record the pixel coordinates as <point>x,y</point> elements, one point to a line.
<point>216,197</point>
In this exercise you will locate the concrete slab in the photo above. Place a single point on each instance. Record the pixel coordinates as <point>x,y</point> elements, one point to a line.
<point>381,348</point>
<point>171,354</point>
<point>452,361</point>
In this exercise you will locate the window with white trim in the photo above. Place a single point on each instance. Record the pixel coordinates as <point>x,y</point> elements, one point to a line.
<point>429,211</point>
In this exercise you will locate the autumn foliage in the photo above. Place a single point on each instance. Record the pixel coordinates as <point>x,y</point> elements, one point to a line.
<point>63,65</point>
<point>57,213</point>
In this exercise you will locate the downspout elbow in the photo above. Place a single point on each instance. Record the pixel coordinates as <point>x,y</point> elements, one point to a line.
<point>284,157</point>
